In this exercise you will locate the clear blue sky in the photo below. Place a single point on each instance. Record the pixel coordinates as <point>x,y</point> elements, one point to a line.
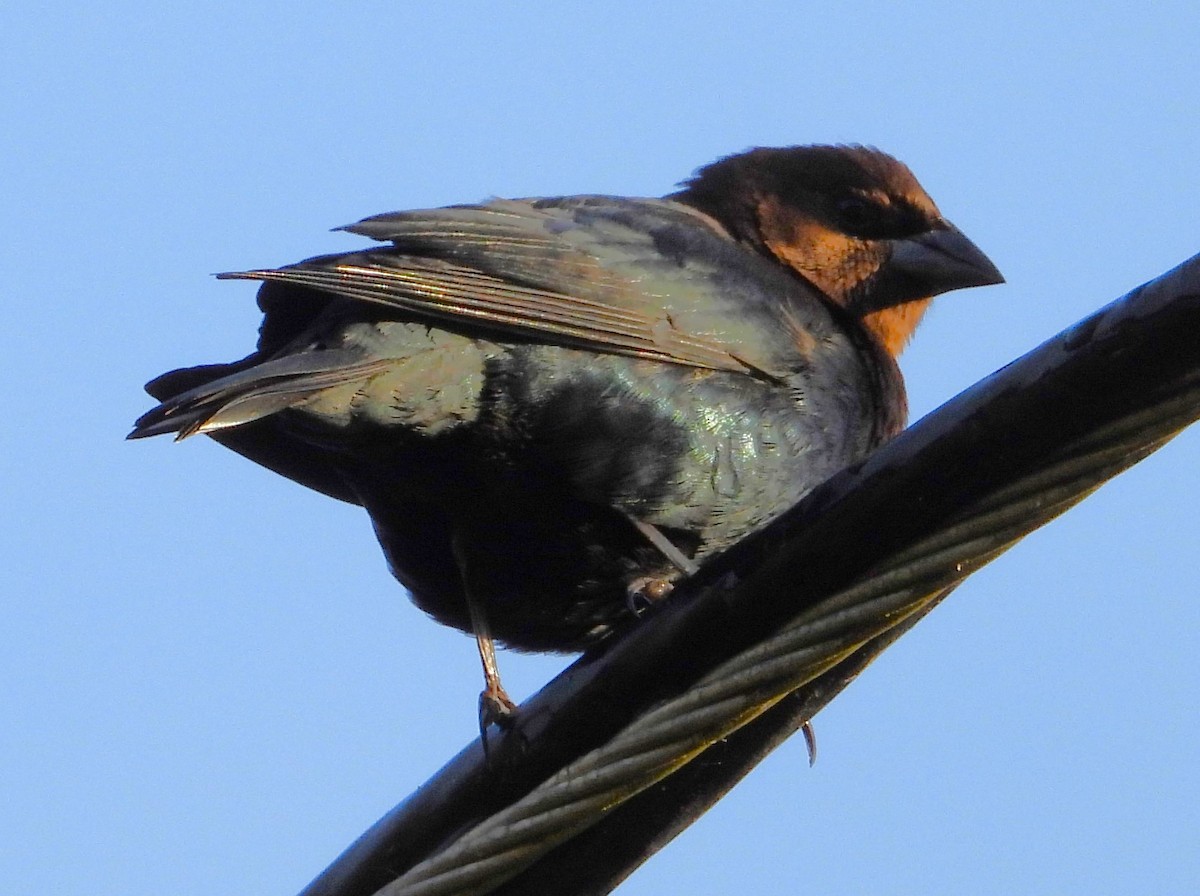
<point>209,682</point>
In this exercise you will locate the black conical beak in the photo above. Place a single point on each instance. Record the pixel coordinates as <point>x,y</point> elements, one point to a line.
<point>941,260</point>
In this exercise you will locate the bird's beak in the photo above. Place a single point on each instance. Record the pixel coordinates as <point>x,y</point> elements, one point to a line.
<point>942,260</point>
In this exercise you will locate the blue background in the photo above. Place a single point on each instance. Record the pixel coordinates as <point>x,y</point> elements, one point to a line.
<point>208,681</point>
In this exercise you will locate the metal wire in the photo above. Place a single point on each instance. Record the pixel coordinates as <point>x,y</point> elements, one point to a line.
<point>671,734</point>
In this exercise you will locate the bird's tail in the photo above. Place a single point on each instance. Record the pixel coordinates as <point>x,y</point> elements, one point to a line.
<point>218,396</point>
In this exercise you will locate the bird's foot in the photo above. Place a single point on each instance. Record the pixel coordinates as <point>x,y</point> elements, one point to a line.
<point>645,591</point>
<point>495,707</point>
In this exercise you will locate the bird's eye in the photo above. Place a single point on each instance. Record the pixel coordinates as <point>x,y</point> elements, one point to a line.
<point>855,214</point>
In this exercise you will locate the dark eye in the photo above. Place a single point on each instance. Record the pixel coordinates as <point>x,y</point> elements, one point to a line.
<point>856,215</point>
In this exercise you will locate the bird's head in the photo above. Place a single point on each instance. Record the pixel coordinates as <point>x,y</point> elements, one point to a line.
<point>850,220</point>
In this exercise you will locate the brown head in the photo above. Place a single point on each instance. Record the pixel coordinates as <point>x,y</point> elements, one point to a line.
<point>850,220</point>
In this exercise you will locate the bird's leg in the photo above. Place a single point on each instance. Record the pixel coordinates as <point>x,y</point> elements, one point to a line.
<point>683,563</point>
<point>654,588</point>
<point>494,704</point>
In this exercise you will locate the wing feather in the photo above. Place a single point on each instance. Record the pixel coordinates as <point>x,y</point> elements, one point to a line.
<point>576,272</point>
<point>427,288</point>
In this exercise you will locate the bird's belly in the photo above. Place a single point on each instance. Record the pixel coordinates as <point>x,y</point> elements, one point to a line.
<point>539,490</point>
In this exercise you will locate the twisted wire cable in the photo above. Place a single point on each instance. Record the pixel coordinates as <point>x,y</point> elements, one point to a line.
<point>817,640</point>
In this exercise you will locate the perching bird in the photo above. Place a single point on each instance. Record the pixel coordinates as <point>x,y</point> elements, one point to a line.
<point>549,405</point>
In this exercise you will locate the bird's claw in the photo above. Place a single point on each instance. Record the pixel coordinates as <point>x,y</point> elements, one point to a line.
<point>645,591</point>
<point>495,707</point>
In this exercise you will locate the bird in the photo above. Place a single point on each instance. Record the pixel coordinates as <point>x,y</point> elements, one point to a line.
<point>554,409</point>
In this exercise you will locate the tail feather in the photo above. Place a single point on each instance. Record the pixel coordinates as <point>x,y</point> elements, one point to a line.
<point>219,396</point>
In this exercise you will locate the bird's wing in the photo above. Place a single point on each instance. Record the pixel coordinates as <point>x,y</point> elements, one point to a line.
<point>629,277</point>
